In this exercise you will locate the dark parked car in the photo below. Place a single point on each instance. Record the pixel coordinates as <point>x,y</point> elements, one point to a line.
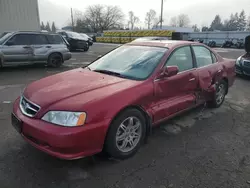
<point>113,103</point>
<point>243,62</point>
<point>75,40</point>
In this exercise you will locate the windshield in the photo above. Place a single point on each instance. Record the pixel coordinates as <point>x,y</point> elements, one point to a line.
<point>5,37</point>
<point>74,35</point>
<point>134,62</point>
<point>84,35</point>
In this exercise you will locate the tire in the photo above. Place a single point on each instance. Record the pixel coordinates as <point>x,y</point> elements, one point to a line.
<point>218,97</point>
<point>86,48</point>
<point>55,60</point>
<point>121,134</point>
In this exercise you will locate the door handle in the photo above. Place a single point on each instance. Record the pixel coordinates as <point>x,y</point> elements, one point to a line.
<point>192,79</point>
<point>48,46</point>
<point>26,47</point>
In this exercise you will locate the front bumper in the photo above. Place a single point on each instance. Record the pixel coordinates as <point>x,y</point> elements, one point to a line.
<point>242,70</point>
<point>62,142</point>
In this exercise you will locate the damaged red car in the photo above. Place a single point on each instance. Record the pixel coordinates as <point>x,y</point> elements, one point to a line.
<point>112,104</point>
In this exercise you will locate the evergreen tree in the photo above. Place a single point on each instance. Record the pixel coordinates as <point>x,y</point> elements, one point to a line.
<point>216,23</point>
<point>53,27</point>
<point>42,26</point>
<point>48,27</point>
<point>242,21</point>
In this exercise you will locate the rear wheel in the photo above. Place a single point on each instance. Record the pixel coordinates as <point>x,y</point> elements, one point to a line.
<point>55,60</point>
<point>126,134</point>
<point>219,95</point>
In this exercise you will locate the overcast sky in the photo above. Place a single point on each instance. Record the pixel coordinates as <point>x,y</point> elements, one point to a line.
<point>200,12</point>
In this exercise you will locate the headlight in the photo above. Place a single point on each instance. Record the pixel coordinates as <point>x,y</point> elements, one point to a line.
<point>64,118</point>
<point>238,61</point>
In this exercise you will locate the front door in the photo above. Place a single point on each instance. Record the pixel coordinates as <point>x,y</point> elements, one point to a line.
<point>17,50</point>
<point>176,93</point>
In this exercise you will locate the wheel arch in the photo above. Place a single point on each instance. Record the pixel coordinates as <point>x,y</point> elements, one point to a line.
<point>144,113</point>
<point>51,53</point>
<point>225,79</point>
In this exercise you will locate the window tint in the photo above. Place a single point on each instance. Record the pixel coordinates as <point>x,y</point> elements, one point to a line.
<point>214,57</point>
<point>55,39</point>
<point>182,58</point>
<point>203,56</point>
<point>38,39</point>
<point>20,39</point>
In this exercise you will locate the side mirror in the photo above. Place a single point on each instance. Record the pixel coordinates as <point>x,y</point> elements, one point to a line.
<point>169,71</point>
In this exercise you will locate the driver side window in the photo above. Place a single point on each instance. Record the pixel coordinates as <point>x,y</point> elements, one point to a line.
<point>182,58</point>
<point>19,39</point>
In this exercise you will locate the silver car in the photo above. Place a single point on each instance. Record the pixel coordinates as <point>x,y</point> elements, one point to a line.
<point>17,48</point>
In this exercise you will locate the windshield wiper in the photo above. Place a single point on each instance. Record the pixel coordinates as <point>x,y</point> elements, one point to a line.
<point>87,68</point>
<point>108,72</point>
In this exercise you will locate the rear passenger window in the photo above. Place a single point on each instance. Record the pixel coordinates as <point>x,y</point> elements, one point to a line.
<point>203,56</point>
<point>182,58</point>
<point>38,39</point>
<point>55,39</point>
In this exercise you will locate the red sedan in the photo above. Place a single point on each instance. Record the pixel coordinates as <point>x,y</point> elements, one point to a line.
<point>113,103</point>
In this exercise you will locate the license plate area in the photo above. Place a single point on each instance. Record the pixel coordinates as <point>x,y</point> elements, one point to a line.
<point>16,123</point>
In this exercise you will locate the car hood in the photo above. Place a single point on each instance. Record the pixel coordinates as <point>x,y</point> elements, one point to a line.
<point>61,86</point>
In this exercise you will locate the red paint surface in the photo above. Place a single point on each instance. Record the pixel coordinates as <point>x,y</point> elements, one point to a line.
<point>102,97</point>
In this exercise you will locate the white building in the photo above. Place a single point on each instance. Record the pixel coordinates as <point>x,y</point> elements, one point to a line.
<point>19,15</point>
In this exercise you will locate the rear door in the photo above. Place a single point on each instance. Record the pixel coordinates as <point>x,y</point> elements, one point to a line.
<point>208,69</point>
<point>40,46</point>
<point>17,50</point>
<point>176,93</point>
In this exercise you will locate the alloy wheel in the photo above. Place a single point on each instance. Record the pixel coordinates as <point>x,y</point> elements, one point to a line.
<point>128,134</point>
<point>220,93</point>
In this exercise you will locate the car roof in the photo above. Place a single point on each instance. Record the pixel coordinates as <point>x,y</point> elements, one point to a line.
<point>162,43</point>
<point>34,32</point>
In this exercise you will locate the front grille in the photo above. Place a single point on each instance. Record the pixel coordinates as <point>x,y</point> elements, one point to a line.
<point>246,63</point>
<point>28,108</point>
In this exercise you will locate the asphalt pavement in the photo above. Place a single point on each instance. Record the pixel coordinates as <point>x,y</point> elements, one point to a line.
<point>204,148</point>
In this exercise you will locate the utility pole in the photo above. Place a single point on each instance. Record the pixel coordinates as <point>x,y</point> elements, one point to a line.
<point>72,19</point>
<point>161,12</point>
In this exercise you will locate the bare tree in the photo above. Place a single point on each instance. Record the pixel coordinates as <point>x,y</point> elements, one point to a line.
<point>157,21</point>
<point>132,19</point>
<point>183,20</point>
<point>150,18</point>
<point>173,21</point>
<point>103,17</point>
<point>195,27</point>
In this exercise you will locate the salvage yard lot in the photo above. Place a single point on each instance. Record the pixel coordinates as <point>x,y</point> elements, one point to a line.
<point>202,148</point>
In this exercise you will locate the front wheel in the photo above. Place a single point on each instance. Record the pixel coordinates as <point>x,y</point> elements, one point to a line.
<point>126,134</point>
<point>219,95</point>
